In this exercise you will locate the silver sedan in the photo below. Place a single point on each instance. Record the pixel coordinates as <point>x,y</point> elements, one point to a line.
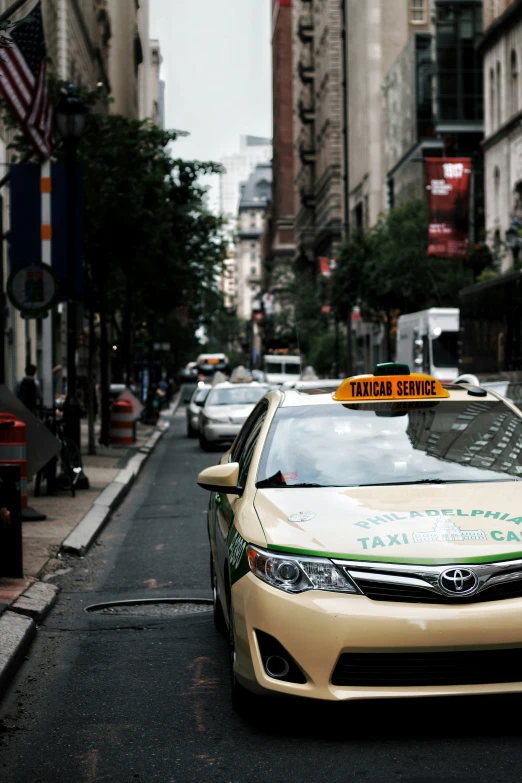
<point>226,409</point>
<point>194,407</point>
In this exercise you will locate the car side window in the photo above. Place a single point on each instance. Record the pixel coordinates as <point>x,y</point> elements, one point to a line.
<point>248,451</point>
<point>240,442</point>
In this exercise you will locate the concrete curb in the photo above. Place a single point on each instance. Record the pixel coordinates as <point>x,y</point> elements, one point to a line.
<point>88,528</point>
<point>16,633</point>
<point>36,601</point>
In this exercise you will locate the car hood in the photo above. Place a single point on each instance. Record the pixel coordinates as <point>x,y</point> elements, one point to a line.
<point>428,524</point>
<point>239,412</point>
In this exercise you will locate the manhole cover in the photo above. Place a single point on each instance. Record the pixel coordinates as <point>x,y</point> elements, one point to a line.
<point>165,607</point>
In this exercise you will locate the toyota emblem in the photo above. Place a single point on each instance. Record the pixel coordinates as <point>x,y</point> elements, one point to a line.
<point>458,581</point>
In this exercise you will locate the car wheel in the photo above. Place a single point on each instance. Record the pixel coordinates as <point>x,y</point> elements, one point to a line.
<point>191,432</point>
<point>204,443</point>
<point>219,617</point>
<point>243,702</point>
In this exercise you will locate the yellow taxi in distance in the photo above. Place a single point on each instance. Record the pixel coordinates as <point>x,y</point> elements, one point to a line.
<point>368,543</point>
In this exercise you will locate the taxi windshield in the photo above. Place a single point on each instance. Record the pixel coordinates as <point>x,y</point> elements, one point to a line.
<point>242,395</point>
<point>335,445</point>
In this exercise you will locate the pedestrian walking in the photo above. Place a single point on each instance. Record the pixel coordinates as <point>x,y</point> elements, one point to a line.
<point>28,390</point>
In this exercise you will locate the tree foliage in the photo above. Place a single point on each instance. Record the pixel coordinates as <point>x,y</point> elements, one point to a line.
<point>153,251</point>
<point>385,269</point>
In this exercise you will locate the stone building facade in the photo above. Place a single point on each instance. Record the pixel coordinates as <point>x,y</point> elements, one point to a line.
<point>377,31</point>
<point>501,48</point>
<point>89,42</point>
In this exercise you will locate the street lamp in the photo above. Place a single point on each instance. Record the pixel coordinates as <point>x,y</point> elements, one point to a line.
<point>70,116</point>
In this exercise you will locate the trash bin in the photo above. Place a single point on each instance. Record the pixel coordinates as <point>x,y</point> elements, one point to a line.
<point>11,554</point>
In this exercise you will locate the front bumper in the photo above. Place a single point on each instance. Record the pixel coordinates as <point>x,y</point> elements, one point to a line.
<point>225,432</point>
<point>317,627</point>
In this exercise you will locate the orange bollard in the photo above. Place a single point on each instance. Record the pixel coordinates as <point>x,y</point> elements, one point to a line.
<point>13,450</point>
<point>121,429</point>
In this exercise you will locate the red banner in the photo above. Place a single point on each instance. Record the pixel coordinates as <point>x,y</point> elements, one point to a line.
<point>448,183</point>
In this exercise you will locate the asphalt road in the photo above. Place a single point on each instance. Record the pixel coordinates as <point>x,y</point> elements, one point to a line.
<point>144,696</point>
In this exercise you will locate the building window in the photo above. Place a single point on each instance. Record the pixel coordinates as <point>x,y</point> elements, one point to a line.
<point>253,287</point>
<point>252,244</point>
<point>418,11</point>
<point>514,83</point>
<point>253,271</point>
<point>460,74</point>
<point>252,256</point>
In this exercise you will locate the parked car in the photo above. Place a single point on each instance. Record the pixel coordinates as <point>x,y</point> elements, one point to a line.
<point>226,409</point>
<point>194,407</point>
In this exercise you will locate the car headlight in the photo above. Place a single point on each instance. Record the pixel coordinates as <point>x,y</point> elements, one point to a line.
<point>208,420</point>
<point>295,574</point>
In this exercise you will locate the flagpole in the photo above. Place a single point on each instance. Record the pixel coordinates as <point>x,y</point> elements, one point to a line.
<point>13,8</point>
<point>47,322</point>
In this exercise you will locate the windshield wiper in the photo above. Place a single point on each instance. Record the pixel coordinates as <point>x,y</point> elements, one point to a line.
<point>277,482</point>
<point>301,486</point>
<point>435,481</point>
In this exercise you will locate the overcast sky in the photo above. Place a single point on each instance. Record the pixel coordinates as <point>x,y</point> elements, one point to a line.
<point>217,69</point>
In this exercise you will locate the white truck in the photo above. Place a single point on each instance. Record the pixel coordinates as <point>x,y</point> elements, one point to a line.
<point>279,368</point>
<point>428,342</point>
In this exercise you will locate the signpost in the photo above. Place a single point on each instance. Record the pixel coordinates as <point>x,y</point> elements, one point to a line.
<point>33,290</point>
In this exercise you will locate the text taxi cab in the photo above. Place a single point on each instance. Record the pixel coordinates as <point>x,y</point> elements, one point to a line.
<point>368,543</point>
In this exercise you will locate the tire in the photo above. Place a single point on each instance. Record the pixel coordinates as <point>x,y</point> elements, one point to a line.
<point>191,432</point>
<point>204,443</point>
<point>244,702</point>
<point>219,617</point>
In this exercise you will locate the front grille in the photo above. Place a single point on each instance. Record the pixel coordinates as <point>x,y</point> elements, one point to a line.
<point>440,668</point>
<point>392,591</point>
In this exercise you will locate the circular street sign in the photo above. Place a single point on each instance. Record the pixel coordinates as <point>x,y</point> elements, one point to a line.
<point>33,290</point>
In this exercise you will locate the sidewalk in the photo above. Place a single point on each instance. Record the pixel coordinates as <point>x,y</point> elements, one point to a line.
<point>72,524</point>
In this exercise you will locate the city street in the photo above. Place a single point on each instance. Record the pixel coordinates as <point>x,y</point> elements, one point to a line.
<point>144,694</point>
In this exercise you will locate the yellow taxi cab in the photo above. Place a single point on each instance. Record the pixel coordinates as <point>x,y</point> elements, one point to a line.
<point>367,543</point>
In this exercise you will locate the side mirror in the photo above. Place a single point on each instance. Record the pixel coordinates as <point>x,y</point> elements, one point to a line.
<point>221,478</point>
<point>199,403</point>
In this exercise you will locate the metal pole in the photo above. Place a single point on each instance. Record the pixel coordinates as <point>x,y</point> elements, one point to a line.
<point>71,409</point>
<point>13,8</point>
<point>472,187</point>
<point>47,323</point>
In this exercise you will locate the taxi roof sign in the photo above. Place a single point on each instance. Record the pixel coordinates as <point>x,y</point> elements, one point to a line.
<point>383,388</point>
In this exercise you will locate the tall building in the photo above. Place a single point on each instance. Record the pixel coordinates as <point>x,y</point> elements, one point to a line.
<point>317,102</point>
<point>237,169</point>
<point>255,196</point>
<point>502,59</point>
<point>153,98</point>
<point>376,32</point>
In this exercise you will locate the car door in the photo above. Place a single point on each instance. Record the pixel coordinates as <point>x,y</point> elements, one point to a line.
<point>225,504</point>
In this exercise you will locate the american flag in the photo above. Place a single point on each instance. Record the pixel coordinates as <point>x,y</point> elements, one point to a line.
<point>23,80</point>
